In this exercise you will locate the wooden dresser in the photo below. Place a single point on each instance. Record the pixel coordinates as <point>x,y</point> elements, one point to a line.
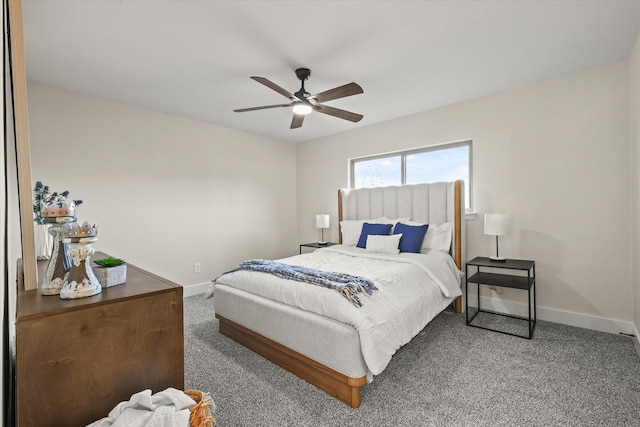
<point>77,359</point>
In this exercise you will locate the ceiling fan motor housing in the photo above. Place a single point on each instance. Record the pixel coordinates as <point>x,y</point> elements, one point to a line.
<point>303,74</point>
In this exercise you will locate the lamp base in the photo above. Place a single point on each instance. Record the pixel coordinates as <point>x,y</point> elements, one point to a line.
<point>497,258</point>
<point>322,242</point>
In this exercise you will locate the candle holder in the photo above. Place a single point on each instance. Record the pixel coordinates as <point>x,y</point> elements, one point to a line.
<point>59,263</point>
<point>81,282</point>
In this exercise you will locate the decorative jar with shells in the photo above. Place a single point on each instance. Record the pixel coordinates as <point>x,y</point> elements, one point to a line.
<point>81,281</point>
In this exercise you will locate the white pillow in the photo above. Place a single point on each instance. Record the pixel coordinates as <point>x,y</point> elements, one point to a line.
<point>438,237</point>
<point>351,230</point>
<point>383,244</point>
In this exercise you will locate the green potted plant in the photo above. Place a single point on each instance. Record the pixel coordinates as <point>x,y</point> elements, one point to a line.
<point>110,271</point>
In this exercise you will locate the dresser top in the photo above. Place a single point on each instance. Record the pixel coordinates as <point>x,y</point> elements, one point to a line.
<point>139,283</point>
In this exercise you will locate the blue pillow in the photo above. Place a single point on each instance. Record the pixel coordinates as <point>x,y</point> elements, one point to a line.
<point>375,229</point>
<point>412,236</point>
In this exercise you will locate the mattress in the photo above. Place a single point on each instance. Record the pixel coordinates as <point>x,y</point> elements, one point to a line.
<point>411,290</point>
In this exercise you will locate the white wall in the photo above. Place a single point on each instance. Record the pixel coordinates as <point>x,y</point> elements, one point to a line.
<point>167,192</point>
<point>553,155</point>
<point>634,132</point>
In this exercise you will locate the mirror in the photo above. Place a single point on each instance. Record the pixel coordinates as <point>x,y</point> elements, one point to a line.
<point>16,114</point>
<point>17,213</point>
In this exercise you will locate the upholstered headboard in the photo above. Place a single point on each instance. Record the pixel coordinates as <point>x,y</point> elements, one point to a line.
<point>434,203</point>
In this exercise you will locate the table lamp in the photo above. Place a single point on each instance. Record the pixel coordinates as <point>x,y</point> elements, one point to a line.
<point>322,222</point>
<point>496,225</point>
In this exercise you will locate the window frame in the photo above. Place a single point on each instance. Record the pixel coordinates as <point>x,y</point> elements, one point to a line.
<point>403,163</point>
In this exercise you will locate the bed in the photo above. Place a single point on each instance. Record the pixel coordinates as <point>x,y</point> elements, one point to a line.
<point>323,345</point>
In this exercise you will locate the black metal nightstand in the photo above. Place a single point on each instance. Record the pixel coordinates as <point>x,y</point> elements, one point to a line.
<point>316,245</point>
<point>522,282</point>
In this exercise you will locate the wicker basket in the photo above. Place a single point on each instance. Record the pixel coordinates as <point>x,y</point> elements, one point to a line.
<point>201,412</point>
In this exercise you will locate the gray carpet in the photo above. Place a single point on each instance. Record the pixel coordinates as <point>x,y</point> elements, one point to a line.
<point>448,375</point>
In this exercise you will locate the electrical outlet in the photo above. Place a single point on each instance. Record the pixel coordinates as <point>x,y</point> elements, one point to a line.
<point>496,290</point>
<point>196,268</point>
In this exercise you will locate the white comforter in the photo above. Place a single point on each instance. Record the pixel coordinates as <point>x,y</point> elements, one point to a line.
<point>411,288</point>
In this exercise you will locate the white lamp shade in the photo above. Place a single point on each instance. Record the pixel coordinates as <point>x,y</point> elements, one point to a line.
<point>322,221</point>
<point>495,224</point>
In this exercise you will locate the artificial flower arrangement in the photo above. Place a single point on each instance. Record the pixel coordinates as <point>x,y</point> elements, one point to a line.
<point>42,199</point>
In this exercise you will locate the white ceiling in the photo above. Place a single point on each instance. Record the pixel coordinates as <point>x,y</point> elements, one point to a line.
<point>194,58</point>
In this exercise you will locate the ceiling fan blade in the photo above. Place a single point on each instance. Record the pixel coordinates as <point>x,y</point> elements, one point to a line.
<point>242,110</point>
<point>271,85</point>
<point>297,120</point>
<point>338,92</point>
<point>336,112</point>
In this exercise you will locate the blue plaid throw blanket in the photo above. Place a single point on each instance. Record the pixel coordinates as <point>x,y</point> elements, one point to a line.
<point>349,286</point>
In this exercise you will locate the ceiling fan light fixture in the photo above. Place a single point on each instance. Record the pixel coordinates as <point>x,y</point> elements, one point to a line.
<point>304,103</point>
<point>302,108</point>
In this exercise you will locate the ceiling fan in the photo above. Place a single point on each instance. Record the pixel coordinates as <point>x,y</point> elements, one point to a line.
<point>303,102</point>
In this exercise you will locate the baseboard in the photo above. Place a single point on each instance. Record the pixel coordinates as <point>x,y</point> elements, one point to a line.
<point>636,343</point>
<point>555,315</point>
<point>195,289</point>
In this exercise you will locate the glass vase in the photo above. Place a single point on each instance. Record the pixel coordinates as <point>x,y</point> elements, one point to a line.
<point>59,263</point>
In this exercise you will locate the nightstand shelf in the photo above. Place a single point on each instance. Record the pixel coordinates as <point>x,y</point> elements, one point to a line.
<point>511,281</point>
<point>502,280</point>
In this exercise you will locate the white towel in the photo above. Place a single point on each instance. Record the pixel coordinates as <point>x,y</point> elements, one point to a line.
<point>168,408</point>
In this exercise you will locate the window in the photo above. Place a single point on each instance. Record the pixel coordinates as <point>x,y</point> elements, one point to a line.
<point>447,162</point>
<point>377,172</point>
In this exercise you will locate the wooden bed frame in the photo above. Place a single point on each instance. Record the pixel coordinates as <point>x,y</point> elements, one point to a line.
<point>336,384</point>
